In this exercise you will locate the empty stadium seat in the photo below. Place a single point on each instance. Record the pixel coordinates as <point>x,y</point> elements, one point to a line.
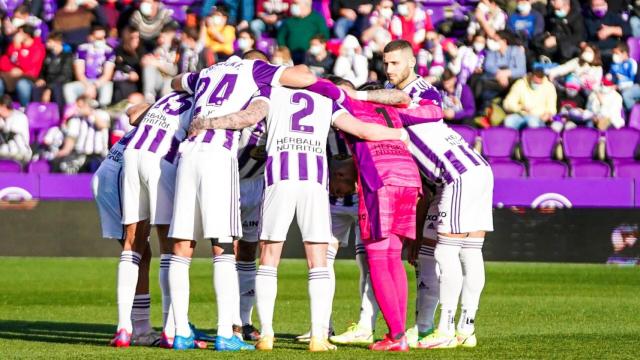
<point>627,170</point>
<point>538,144</point>
<point>467,132</point>
<point>634,47</point>
<point>548,169</point>
<point>39,167</point>
<point>622,144</point>
<point>507,169</point>
<point>41,117</point>
<point>580,144</point>
<point>10,166</point>
<point>499,142</point>
<point>594,169</point>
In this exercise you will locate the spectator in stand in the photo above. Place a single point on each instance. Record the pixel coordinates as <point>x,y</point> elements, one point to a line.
<point>351,64</point>
<point>282,56</point>
<point>587,69</point>
<point>458,105</point>
<point>160,67</point>
<point>379,23</point>
<point>525,21</point>
<point>217,35</point>
<point>318,59</point>
<point>93,69</point>
<point>463,60</point>
<point>431,60</point>
<point>75,19</point>
<point>21,16</point>
<point>634,17</point>
<point>269,16</point>
<point>86,139</point>
<point>488,18</point>
<point>150,18</point>
<point>411,23</point>
<point>605,106</point>
<point>128,71</point>
<point>351,16</point>
<point>531,102</point>
<point>564,31</point>
<point>571,105</point>
<point>193,55</point>
<point>20,65</point>
<point>14,132</point>
<point>111,14</point>
<point>57,70</point>
<point>504,63</point>
<point>296,32</point>
<point>246,41</point>
<point>605,28</point>
<point>623,72</point>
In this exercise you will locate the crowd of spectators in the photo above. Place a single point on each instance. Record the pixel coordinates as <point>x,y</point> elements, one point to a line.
<point>514,63</point>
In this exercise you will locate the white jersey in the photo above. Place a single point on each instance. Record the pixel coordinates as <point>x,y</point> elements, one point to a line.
<point>298,124</point>
<point>251,155</point>
<point>226,88</point>
<point>164,126</point>
<point>441,153</point>
<point>116,152</point>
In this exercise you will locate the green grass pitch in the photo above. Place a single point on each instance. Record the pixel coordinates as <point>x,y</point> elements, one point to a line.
<point>65,308</point>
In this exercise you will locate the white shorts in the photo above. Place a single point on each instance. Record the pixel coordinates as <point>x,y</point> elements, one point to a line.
<point>251,193</point>
<point>106,184</point>
<point>147,188</point>
<point>343,219</point>
<point>308,200</point>
<point>207,201</point>
<point>466,204</point>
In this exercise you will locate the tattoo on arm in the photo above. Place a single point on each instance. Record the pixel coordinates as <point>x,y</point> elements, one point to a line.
<point>388,97</point>
<point>239,120</point>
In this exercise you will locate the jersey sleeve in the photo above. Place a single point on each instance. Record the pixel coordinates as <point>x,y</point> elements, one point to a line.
<point>265,74</point>
<point>190,82</point>
<point>427,111</point>
<point>336,110</point>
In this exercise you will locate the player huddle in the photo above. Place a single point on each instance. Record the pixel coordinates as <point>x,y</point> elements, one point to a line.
<point>240,148</point>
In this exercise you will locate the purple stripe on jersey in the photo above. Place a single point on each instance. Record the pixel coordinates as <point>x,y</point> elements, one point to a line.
<point>269,170</point>
<point>143,137</point>
<point>320,164</point>
<point>157,140</point>
<point>173,150</point>
<point>284,165</point>
<point>192,81</point>
<point>208,136</point>
<point>455,162</point>
<point>229,142</point>
<point>302,166</point>
<point>263,73</point>
<point>468,155</point>
<point>415,140</point>
<point>126,139</point>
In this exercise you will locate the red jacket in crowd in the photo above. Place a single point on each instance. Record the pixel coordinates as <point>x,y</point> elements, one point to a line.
<point>28,58</point>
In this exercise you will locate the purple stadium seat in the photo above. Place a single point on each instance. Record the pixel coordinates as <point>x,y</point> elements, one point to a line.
<point>467,132</point>
<point>39,167</point>
<point>266,45</point>
<point>580,144</point>
<point>634,117</point>
<point>538,144</point>
<point>628,170</point>
<point>498,142</point>
<point>634,48</point>
<point>548,169</point>
<point>622,144</point>
<point>507,169</point>
<point>41,117</point>
<point>10,166</point>
<point>594,169</point>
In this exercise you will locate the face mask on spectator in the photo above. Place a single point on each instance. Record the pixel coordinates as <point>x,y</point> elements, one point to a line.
<point>587,56</point>
<point>17,22</point>
<point>483,7</point>
<point>146,9</point>
<point>524,8</point>
<point>493,45</point>
<point>600,11</point>
<point>100,44</point>
<point>403,9</point>
<point>617,58</point>
<point>295,10</point>
<point>560,13</point>
<point>478,46</point>
<point>572,92</point>
<point>217,20</point>
<point>80,2</point>
<point>386,13</point>
<point>315,49</point>
<point>243,44</point>
<point>277,61</point>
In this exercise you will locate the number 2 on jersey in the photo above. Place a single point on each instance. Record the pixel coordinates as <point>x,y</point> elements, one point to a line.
<point>307,110</point>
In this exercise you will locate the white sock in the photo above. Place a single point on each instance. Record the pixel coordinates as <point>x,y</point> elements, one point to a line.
<point>473,283</point>
<point>368,304</point>
<point>247,286</point>
<point>266,292</point>
<point>168,322</point>
<point>447,255</point>
<point>127,282</point>
<point>179,288</point>
<point>428,289</point>
<point>140,314</point>
<point>331,259</point>
<point>225,282</point>
<point>319,296</point>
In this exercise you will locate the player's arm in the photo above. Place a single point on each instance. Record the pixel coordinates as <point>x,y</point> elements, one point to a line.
<point>298,76</point>
<point>382,96</point>
<point>367,131</point>
<point>256,111</point>
<point>185,82</point>
<point>135,113</point>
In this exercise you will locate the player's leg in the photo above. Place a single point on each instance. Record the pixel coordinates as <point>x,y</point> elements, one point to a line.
<point>179,290</point>
<point>472,285</point>
<point>166,249</point>
<point>246,265</point>
<point>143,333</point>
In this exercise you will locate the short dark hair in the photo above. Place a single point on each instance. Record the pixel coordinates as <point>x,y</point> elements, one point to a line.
<point>6,101</point>
<point>255,54</point>
<point>29,30</point>
<point>371,85</point>
<point>399,44</point>
<point>320,38</point>
<point>337,80</point>
<point>251,34</point>
<point>56,36</point>
<point>98,27</point>
<point>448,75</point>
<point>169,27</point>
<point>191,32</point>
<point>22,9</point>
<point>622,46</point>
<point>130,29</point>
<point>222,8</point>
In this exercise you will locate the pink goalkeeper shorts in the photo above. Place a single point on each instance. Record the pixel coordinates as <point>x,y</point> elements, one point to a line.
<point>390,210</point>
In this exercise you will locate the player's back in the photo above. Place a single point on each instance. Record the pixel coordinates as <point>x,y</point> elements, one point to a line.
<point>164,125</point>
<point>381,162</point>
<point>297,127</point>
<point>116,151</point>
